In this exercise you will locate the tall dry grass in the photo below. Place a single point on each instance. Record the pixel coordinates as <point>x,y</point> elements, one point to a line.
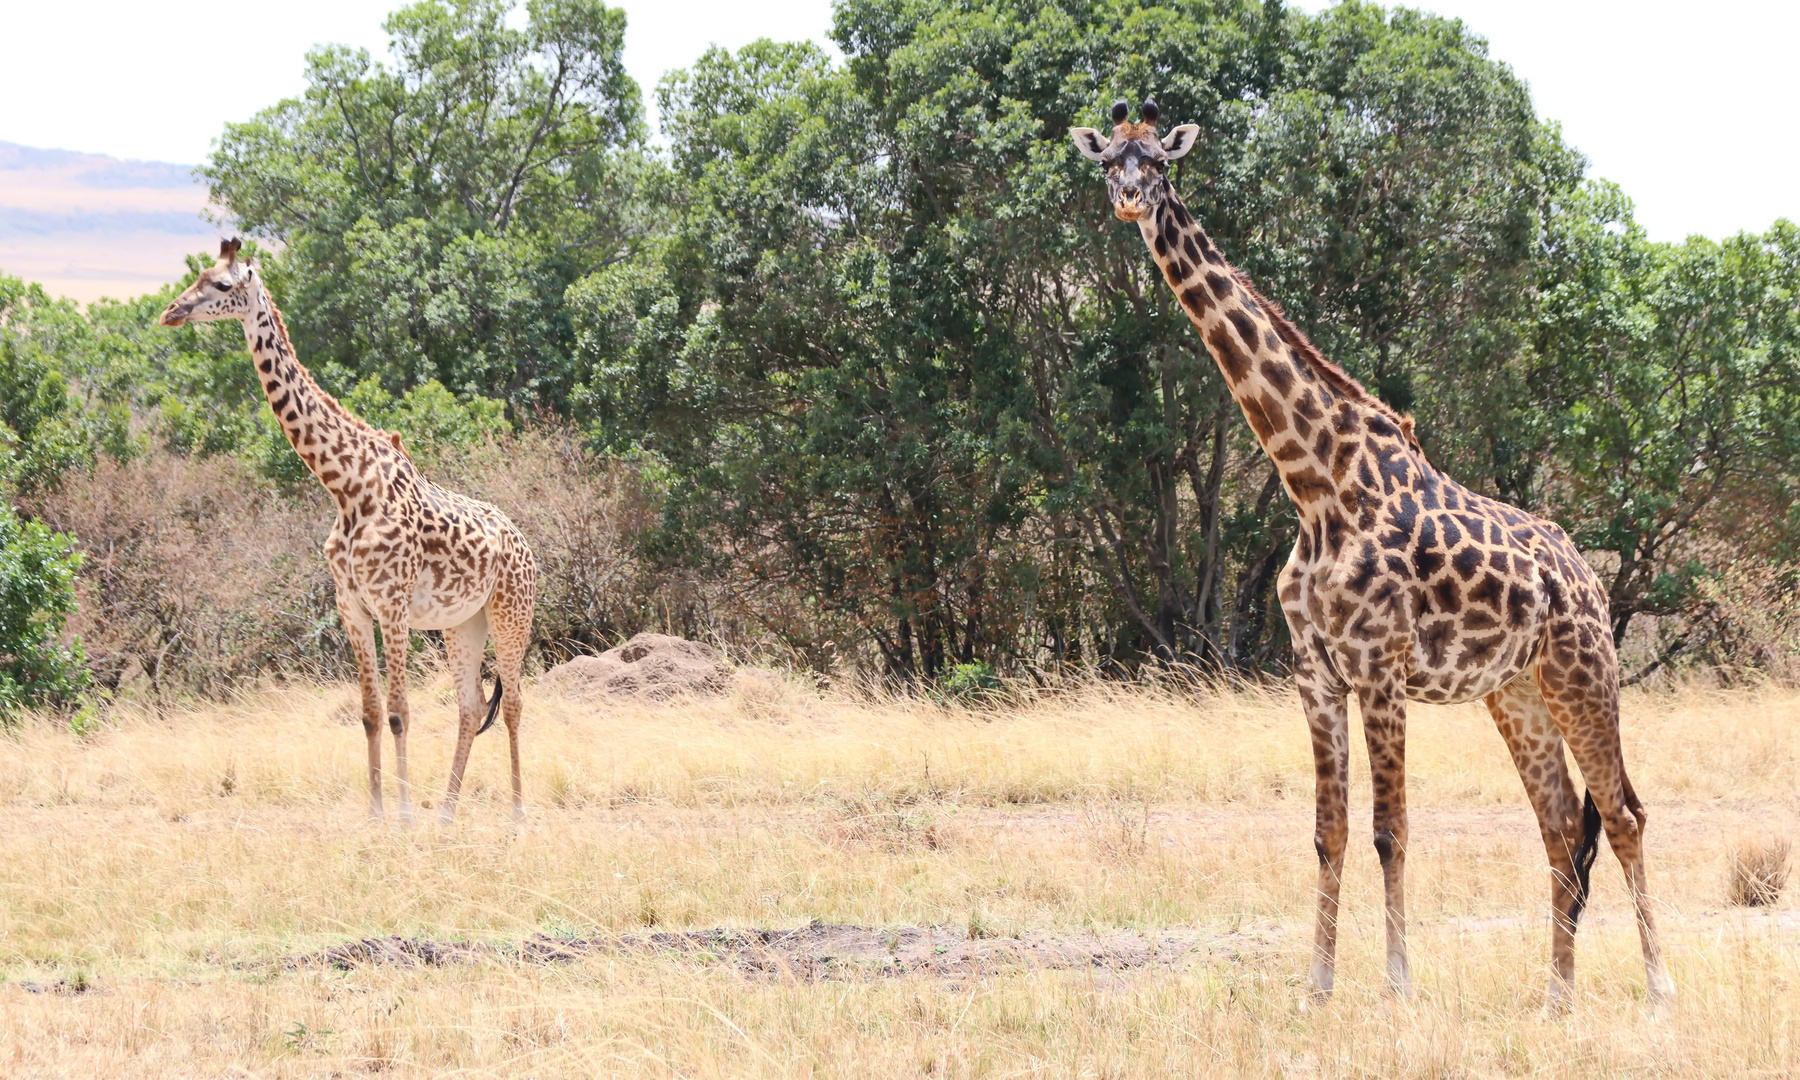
<point>169,859</point>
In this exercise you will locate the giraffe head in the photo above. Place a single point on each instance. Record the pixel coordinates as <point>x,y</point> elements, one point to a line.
<point>1136,160</point>
<point>223,291</point>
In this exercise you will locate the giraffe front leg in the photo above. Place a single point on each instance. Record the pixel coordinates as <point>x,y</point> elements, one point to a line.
<point>395,632</point>
<point>1383,704</point>
<point>360,628</point>
<point>1329,722</point>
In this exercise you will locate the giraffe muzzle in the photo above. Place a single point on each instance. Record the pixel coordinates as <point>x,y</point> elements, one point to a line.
<point>174,315</point>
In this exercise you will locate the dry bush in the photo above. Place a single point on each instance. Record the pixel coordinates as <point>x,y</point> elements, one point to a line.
<point>876,821</point>
<point>1117,827</point>
<point>198,576</point>
<point>586,517</point>
<point>202,576</point>
<point>582,515</point>
<point>1754,619</point>
<point>1759,872</point>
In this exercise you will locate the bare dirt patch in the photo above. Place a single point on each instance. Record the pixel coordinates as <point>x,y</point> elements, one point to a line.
<point>822,951</point>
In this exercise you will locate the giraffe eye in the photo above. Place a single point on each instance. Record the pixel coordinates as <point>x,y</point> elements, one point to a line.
<point>221,286</point>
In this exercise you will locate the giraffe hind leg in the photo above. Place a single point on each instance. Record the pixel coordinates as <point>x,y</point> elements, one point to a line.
<point>511,612</point>
<point>463,648</point>
<point>1570,828</point>
<point>1585,706</point>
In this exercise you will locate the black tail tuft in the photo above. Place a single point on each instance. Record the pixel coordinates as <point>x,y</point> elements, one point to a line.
<point>494,710</point>
<point>1584,856</point>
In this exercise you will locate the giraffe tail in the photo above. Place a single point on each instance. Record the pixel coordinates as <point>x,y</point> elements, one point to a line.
<point>494,710</point>
<point>1584,856</point>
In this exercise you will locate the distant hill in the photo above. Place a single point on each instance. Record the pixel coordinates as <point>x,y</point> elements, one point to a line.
<point>87,225</point>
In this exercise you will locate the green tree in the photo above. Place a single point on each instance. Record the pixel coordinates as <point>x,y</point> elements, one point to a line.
<point>897,351</point>
<point>36,409</point>
<point>1670,377</point>
<point>37,595</point>
<point>433,212</point>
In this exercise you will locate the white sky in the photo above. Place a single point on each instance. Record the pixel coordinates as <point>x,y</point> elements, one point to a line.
<point>1694,109</point>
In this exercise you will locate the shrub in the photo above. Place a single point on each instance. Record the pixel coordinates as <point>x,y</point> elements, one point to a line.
<point>970,683</point>
<point>201,575</point>
<point>37,595</point>
<point>1759,871</point>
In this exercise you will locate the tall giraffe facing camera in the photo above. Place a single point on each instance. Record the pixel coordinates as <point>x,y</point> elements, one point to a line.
<point>1402,585</point>
<point>404,552</point>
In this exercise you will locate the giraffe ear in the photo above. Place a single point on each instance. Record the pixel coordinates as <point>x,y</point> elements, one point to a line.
<point>1089,142</point>
<point>1181,140</point>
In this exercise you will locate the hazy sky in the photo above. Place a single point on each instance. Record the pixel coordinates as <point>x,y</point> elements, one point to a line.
<point>1692,108</point>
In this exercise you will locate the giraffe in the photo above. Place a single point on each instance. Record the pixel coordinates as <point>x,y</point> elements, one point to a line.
<point>1403,585</point>
<point>404,552</point>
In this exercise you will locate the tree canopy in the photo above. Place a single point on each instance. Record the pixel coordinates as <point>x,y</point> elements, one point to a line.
<point>869,336</point>
<point>432,212</point>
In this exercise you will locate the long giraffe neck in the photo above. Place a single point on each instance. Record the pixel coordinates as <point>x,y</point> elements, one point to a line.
<point>1332,442</point>
<point>325,434</point>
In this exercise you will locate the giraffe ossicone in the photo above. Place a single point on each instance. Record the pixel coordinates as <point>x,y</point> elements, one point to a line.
<point>1403,585</point>
<point>404,553</point>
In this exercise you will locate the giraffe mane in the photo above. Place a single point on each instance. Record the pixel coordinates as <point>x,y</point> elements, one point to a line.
<point>1336,377</point>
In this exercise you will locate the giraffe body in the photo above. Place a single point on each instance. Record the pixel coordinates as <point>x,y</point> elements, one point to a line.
<point>1403,585</point>
<point>404,553</point>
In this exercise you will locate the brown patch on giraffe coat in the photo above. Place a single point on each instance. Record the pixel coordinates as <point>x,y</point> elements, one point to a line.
<point>1227,352</point>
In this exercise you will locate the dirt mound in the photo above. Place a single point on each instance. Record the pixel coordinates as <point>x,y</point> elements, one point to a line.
<point>655,666</point>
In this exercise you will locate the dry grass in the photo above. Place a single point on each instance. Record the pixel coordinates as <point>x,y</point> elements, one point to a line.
<point>165,862</point>
<point>1759,872</point>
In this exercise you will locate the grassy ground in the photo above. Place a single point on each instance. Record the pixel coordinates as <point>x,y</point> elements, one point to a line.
<point>157,877</point>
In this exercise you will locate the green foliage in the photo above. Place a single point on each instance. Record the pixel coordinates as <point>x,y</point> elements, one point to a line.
<point>896,348</point>
<point>45,430</point>
<point>883,360</point>
<point>434,211</point>
<point>37,595</point>
<point>428,418</point>
<point>969,683</point>
<point>1670,375</point>
<point>428,415</point>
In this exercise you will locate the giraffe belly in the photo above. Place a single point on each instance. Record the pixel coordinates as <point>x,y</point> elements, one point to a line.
<point>1468,666</point>
<point>439,608</point>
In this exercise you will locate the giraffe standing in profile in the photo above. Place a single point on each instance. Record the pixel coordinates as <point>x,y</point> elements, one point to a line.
<point>404,552</point>
<point>1403,585</point>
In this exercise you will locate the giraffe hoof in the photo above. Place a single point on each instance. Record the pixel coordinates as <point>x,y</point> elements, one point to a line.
<point>1660,992</point>
<point>1560,1000</point>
